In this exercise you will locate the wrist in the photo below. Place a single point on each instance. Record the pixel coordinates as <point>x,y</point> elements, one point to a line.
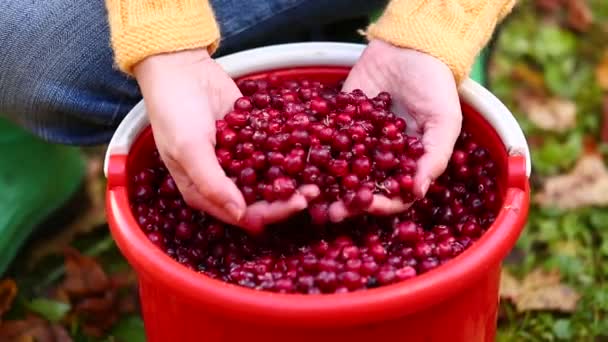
<point>170,61</point>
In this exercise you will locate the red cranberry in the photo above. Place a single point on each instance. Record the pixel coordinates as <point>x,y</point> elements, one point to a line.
<point>143,192</point>
<point>227,138</point>
<point>319,105</point>
<point>248,87</point>
<point>184,231</point>
<point>157,239</point>
<point>261,100</point>
<point>236,119</point>
<point>248,176</point>
<point>243,104</point>
<point>319,213</point>
<point>407,231</point>
<point>341,142</point>
<point>319,156</point>
<point>338,167</point>
<point>386,276</point>
<point>327,281</point>
<point>283,187</point>
<point>405,273</point>
<point>293,164</point>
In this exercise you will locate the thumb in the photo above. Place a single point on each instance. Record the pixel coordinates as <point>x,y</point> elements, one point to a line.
<point>439,137</point>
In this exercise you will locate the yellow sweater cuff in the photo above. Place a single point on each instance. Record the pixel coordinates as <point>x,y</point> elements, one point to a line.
<point>141,28</point>
<point>452,31</point>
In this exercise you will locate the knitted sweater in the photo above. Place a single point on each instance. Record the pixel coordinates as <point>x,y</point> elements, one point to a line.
<point>454,31</point>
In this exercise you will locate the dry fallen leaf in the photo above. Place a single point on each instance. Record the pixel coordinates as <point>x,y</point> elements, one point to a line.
<point>509,285</point>
<point>580,16</point>
<point>539,290</point>
<point>604,131</point>
<point>84,276</point>
<point>586,185</point>
<point>551,114</point>
<point>539,278</point>
<point>532,79</point>
<point>33,329</point>
<point>8,291</point>
<point>97,299</point>
<point>601,72</point>
<point>552,297</point>
<point>549,6</point>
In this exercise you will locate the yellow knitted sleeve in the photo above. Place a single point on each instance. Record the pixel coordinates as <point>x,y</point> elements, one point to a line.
<point>141,28</point>
<point>454,31</point>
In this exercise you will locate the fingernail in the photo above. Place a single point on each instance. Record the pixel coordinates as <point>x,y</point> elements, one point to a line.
<point>425,186</point>
<point>235,211</point>
<point>302,204</point>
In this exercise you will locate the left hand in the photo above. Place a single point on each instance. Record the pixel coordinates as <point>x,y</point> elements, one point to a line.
<point>424,93</point>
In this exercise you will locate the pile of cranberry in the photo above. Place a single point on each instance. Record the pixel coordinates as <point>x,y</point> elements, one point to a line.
<point>286,133</point>
<point>281,136</point>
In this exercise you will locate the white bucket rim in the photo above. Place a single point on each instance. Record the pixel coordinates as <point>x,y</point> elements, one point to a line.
<point>328,54</point>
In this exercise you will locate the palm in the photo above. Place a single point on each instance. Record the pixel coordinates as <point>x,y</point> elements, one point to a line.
<point>184,99</point>
<point>425,95</point>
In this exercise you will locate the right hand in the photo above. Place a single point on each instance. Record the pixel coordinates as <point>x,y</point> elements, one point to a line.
<point>185,93</point>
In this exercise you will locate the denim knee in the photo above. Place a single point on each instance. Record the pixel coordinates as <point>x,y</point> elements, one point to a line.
<point>56,71</point>
<point>57,76</point>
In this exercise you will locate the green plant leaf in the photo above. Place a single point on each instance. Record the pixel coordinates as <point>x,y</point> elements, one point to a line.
<point>552,43</point>
<point>562,329</point>
<point>555,155</point>
<point>52,310</point>
<point>129,329</point>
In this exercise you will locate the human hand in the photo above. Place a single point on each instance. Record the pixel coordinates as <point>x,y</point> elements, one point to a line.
<point>424,93</point>
<point>185,93</point>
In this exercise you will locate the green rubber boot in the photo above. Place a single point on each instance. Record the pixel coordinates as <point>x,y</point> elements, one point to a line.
<point>478,72</point>
<point>36,179</point>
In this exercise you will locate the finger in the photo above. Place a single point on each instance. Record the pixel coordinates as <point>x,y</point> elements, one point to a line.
<point>338,212</point>
<point>211,181</point>
<point>192,196</point>
<point>439,137</point>
<point>382,205</point>
<point>309,191</point>
<point>262,213</point>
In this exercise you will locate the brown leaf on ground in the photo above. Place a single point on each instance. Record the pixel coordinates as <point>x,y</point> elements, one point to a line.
<point>590,145</point>
<point>531,79</point>
<point>33,329</point>
<point>549,6</point>
<point>539,278</point>
<point>97,299</point>
<point>551,114</point>
<point>604,130</point>
<point>580,16</point>
<point>509,285</point>
<point>84,276</point>
<point>539,290</point>
<point>8,291</point>
<point>91,217</point>
<point>601,72</point>
<point>98,313</point>
<point>556,297</point>
<point>586,185</point>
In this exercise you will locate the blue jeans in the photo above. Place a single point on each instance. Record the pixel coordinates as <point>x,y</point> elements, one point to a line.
<point>56,69</point>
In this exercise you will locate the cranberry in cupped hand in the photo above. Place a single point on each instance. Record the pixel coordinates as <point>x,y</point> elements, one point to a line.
<point>351,147</point>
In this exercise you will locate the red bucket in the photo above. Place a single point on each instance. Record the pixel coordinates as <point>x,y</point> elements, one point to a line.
<point>455,302</point>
